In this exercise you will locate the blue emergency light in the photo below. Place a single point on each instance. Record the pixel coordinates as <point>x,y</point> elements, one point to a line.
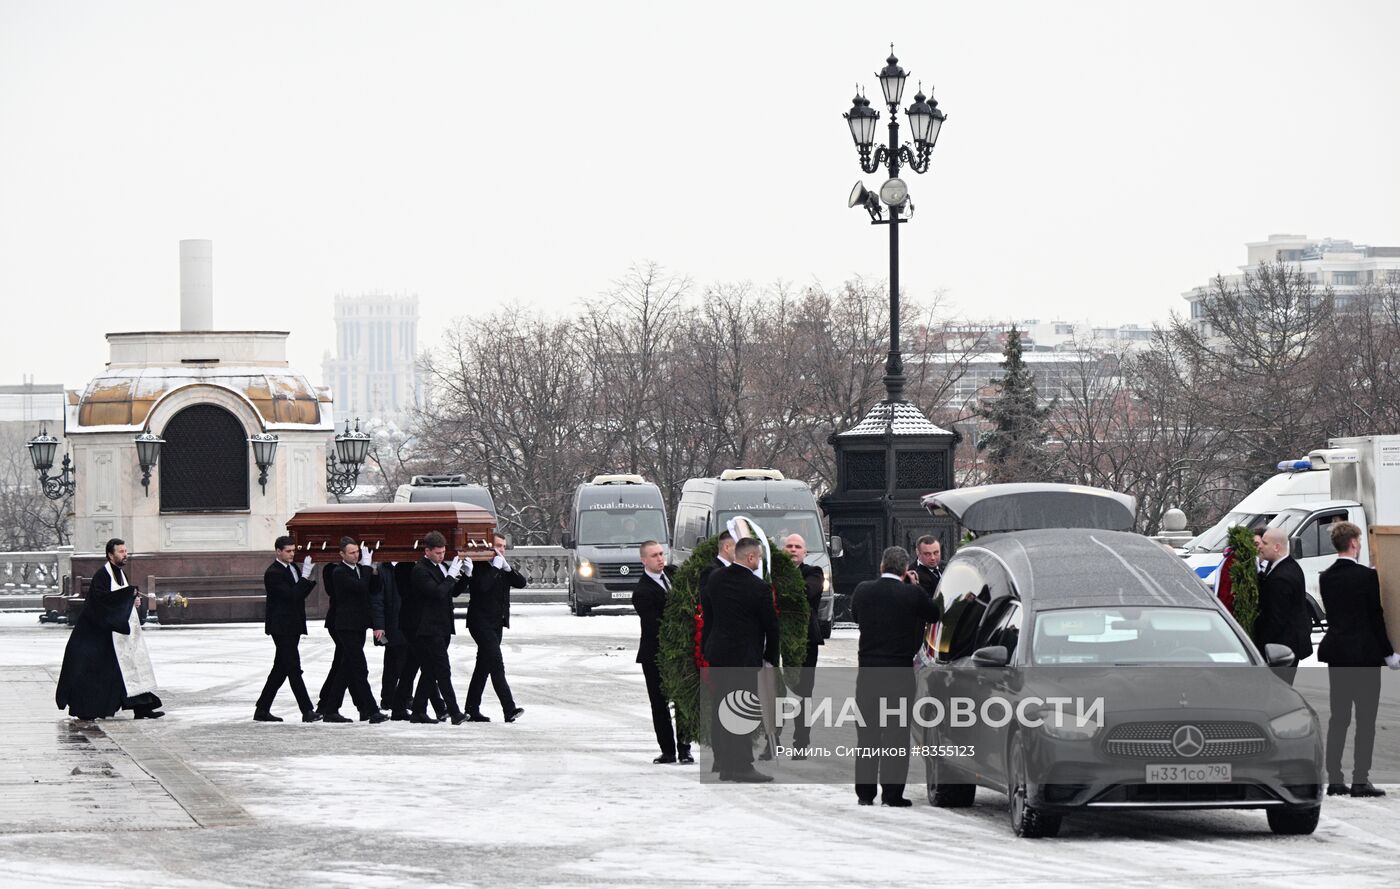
<point>1295,466</point>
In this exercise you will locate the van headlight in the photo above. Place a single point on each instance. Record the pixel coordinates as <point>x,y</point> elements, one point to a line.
<point>1067,726</point>
<point>826,582</point>
<point>1298,724</point>
<point>585,568</point>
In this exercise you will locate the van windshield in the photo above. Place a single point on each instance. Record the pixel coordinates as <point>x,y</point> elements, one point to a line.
<point>620,527</point>
<point>779,523</point>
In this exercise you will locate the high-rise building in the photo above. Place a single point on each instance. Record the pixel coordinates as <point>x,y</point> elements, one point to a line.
<point>374,373</point>
<point>1346,267</point>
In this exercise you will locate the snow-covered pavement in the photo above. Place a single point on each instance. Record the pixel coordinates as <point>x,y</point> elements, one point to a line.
<point>568,795</point>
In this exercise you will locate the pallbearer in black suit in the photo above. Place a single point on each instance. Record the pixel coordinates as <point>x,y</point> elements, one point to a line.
<point>649,598</point>
<point>488,614</point>
<point>1284,617</point>
<point>796,548</point>
<point>354,590</point>
<point>400,663</point>
<point>892,615</point>
<point>434,585</point>
<point>285,621</point>
<point>1354,649</point>
<point>927,569</point>
<point>739,634</point>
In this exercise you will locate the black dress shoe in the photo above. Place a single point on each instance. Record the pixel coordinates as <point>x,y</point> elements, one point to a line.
<point>149,714</point>
<point>461,718</point>
<point>422,719</point>
<point>862,801</point>
<point>335,717</point>
<point>399,716</point>
<point>442,717</point>
<point>685,758</point>
<point>265,716</point>
<point>310,716</point>
<point>751,776</point>
<point>475,716</point>
<point>1366,788</point>
<point>1337,788</point>
<point>897,802</point>
<point>374,718</point>
<point>513,715</point>
<point>665,759</point>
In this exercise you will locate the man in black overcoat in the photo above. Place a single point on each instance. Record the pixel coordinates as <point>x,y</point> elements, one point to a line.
<point>354,590</point>
<point>1354,649</point>
<point>433,586</point>
<point>813,581</point>
<point>285,621</point>
<point>1284,617</point>
<point>739,634</point>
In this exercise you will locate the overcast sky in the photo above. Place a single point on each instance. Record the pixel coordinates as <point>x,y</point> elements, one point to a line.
<point>1098,160</point>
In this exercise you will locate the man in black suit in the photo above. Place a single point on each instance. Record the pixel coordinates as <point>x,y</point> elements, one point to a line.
<point>1354,649</point>
<point>723,559</point>
<point>649,598</point>
<point>739,635</point>
<point>354,590</point>
<point>1284,617</point>
<point>400,663</point>
<point>285,621</point>
<point>927,569</point>
<point>813,580</point>
<point>892,615</point>
<point>488,615</point>
<point>434,586</point>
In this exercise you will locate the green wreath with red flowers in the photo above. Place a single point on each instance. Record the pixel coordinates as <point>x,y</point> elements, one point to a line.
<point>680,658</point>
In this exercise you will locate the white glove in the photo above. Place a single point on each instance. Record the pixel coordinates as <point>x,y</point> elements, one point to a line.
<point>455,569</point>
<point>499,563</point>
<point>1392,661</point>
<point>366,556</point>
<point>306,568</point>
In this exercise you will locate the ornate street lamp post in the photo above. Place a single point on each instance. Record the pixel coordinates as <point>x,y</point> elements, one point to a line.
<point>351,448</point>
<point>264,453</point>
<point>894,455</point>
<point>148,454</point>
<point>41,452</point>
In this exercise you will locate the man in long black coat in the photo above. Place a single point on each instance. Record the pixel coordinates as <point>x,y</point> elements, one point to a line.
<point>892,615</point>
<point>649,598</point>
<point>354,590</point>
<point>488,615</point>
<point>813,582</point>
<point>433,586</point>
<point>1355,647</point>
<point>1284,617</point>
<point>739,634</point>
<point>90,684</point>
<point>285,621</point>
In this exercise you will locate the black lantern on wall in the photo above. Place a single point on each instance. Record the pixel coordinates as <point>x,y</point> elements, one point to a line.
<point>264,453</point>
<point>343,466</point>
<point>42,448</point>
<point>148,454</point>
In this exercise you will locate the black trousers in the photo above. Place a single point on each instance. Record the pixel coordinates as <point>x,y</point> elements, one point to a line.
<point>733,753</point>
<point>398,690</point>
<point>329,686</point>
<point>667,739</point>
<point>882,756</point>
<point>286,667</point>
<point>349,671</point>
<point>1348,688</point>
<point>394,658</point>
<point>806,680</point>
<point>488,663</point>
<point>437,674</point>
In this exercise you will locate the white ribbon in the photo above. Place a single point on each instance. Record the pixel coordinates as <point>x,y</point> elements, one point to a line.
<point>740,527</point>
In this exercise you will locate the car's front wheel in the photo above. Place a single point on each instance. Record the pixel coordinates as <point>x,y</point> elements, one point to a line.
<point>1294,822</point>
<point>1026,820</point>
<point>577,607</point>
<point>942,794</point>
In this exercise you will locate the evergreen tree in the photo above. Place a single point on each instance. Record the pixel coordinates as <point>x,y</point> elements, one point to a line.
<point>1015,447</point>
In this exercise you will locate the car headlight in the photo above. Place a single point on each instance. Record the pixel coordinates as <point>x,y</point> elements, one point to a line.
<point>1067,726</point>
<point>1298,724</point>
<point>585,568</point>
<point>826,582</point>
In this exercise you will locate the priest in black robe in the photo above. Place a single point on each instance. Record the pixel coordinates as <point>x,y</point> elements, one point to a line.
<point>91,685</point>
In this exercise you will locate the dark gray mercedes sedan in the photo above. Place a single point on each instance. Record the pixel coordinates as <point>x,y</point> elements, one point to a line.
<point>1080,668</point>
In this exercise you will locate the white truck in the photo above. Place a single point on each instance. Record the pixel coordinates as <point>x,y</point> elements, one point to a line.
<point>1364,476</point>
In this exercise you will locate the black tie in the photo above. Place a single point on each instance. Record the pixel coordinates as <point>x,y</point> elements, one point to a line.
<point>295,576</point>
<point>665,582</point>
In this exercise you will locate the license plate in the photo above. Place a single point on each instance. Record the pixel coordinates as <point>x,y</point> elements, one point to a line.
<point>1195,773</point>
<point>622,595</point>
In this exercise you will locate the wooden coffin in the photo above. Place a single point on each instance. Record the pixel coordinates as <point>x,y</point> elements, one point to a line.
<point>395,531</point>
